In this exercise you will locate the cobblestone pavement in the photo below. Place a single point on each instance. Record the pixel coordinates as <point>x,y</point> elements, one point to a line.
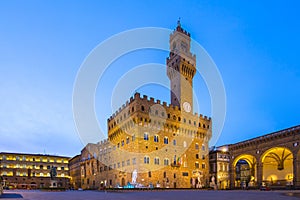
<point>151,195</point>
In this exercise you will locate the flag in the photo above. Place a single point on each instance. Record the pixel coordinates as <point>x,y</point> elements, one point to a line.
<point>179,160</point>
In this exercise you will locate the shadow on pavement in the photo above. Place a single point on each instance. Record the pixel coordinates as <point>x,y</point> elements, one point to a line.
<point>11,196</point>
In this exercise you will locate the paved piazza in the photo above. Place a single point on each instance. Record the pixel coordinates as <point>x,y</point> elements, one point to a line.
<point>151,195</point>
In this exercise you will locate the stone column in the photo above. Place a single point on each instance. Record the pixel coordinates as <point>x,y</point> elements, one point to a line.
<point>231,175</point>
<point>259,173</point>
<point>296,163</point>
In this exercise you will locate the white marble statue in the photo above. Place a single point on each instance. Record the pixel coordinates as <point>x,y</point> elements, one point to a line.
<point>214,185</point>
<point>199,185</point>
<point>213,179</point>
<point>134,176</point>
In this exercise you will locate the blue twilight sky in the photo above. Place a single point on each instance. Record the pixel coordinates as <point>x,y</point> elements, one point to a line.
<point>255,45</point>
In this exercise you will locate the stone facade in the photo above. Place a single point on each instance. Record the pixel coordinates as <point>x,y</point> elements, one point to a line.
<point>75,173</point>
<point>167,144</point>
<point>219,167</point>
<point>273,159</point>
<point>32,171</point>
<point>270,160</point>
<point>1,185</point>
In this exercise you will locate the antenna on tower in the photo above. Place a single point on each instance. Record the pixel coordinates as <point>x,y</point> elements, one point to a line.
<point>178,22</point>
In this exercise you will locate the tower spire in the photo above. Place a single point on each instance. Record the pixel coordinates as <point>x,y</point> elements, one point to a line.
<point>178,22</point>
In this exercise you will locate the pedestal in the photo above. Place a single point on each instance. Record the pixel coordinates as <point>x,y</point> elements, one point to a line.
<point>53,183</point>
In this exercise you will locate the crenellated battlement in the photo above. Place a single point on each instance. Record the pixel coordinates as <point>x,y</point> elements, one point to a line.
<point>181,58</point>
<point>144,100</point>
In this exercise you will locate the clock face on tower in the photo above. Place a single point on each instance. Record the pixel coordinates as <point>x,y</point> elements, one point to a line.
<point>187,107</point>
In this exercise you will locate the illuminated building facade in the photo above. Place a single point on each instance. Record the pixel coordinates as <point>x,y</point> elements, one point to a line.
<point>32,171</point>
<point>219,166</point>
<point>165,145</point>
<point>1,186</point>
<point>272,160</point>
<point>75,174</point>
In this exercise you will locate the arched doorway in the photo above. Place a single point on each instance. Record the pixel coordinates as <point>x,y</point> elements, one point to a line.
<point>123,182</point>
<point>277,167</point>
<point>33,185</point>
<point>245,173</point>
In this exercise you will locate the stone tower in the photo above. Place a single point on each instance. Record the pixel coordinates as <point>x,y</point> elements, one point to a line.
<point>151,142</point>
<point>181,68</point>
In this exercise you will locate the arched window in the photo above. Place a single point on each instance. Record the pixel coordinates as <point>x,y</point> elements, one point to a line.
<point>174,142</point>
<point>156,138</point>
<point>166,140</point>
<point>146,136</point>
<point>196,146</point>
<point>166,161</point>
<point>156,161</point>
<point>184,144</point>
<point>143,108</point>
<point>146,160</point>
<point>196,165</point>
<point>127,140</point>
